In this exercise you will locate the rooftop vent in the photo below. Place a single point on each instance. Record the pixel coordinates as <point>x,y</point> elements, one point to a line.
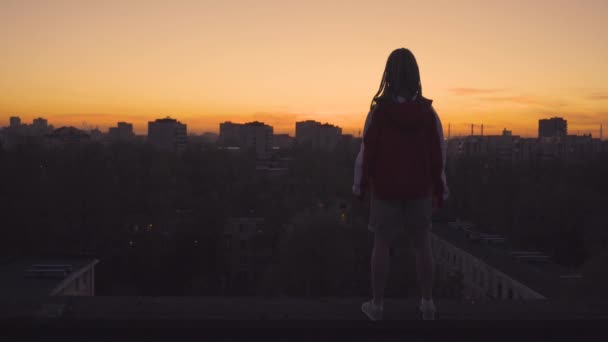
<point>48,271</point>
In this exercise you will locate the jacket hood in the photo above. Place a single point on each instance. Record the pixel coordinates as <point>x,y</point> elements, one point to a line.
<point>410,114</point>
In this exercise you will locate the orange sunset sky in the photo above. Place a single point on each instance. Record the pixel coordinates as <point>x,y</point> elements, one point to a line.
<point>500,63</point>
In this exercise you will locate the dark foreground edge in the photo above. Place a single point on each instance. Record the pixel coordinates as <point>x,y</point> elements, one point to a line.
<point>296,330</point>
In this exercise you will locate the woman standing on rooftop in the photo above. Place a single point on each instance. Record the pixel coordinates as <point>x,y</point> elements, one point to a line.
<point>401,165</point>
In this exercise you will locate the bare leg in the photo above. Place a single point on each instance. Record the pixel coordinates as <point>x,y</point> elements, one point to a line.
<point>380,266</point>
<point>424,266</point>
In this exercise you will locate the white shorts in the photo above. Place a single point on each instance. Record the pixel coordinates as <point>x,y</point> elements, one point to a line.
<point>391,218</point>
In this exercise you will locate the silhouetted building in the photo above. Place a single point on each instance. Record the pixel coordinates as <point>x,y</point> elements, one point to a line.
<point>15,121</point>
<point>272,169</point>
<point>503,147</point>
<point>96,134</point>
<point>552,128</point>
<point>350,143</point>
<point>569,148</point>
<point>507,147</point>
<point>67,135</point>
<point>526,149</point>
<point>247,250</point>
<point>40,126</point>
<point>230,134</point>
<point>282,141</point>
<point>490,268</point>
<point>318,135</point>
<point>122,131</point>
<point>255,136</point>
<point>168,133</point>
<point>258,136</point>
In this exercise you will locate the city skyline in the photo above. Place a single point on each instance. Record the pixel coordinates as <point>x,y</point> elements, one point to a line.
<point>505,65</point>
<point>473,129</point>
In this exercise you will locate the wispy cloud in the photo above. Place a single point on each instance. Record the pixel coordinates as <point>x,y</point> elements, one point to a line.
<point>584,118</point>
<point>598,96</point>
<point>464,91</point>
<point>519,99</point>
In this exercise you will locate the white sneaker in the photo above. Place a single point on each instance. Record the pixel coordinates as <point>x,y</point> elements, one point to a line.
<point>427,307</point>
<point>372,311</point>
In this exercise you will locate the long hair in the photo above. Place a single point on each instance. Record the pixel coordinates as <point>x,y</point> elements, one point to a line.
<point>401,76</point>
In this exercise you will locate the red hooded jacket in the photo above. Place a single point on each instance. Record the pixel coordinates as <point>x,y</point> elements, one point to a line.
<point>403,157</point>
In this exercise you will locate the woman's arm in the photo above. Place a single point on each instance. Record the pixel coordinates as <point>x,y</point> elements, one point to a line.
<point>439,154</point>
<point>361,163</point>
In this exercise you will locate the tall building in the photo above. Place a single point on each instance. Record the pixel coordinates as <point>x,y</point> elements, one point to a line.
<point>504,147</point>
<point>552,128</point>
<point>230,134</point>
<point>15,121</point>
<point>258,136</point>
<point>168,133</point>
<point>40,123</point>
<point>40,126</point>
<point>255,136</point>
<point>246,250</point>
<point>318,135</point>
<point>122,131</point>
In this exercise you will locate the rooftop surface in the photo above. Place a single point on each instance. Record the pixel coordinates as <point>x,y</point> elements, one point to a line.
<point>292,319</point>
<point>286,309</point>
<point>543,278</point>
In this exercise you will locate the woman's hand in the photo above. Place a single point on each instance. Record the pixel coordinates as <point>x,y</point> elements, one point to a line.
<point>359,193</point>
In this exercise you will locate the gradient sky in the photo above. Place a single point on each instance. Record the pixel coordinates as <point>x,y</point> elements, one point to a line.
<point>500,63</point>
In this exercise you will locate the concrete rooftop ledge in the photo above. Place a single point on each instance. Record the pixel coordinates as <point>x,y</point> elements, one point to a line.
<point>192,318</point>
<point>260,309</point>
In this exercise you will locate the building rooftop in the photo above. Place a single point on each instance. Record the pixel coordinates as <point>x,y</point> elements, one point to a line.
<point>34,277</point>
<point>544,278</point>
<point>255,123</point>
<point>65,130</point>
<point>166,120</point>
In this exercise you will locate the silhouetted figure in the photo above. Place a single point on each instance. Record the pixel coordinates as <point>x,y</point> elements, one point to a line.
<point>401,166</point>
